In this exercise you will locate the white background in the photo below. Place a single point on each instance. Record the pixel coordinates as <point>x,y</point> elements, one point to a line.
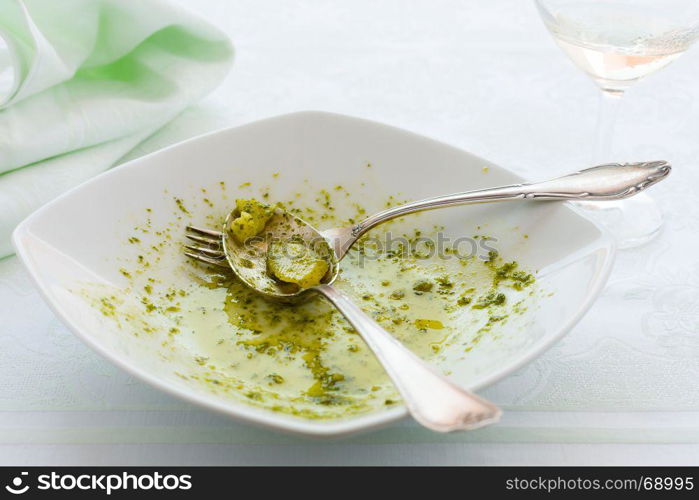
<point>485,76</point>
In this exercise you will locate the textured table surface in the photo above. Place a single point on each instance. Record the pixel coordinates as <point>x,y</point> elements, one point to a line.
<point>485,76</point>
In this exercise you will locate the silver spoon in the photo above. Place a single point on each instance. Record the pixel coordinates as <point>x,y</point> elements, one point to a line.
<point>608,182</point>
<point>431,399</point>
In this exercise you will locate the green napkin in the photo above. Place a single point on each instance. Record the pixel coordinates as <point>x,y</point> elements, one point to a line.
<point>82,82</point>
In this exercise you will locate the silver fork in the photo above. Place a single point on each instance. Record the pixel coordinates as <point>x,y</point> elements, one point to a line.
<point>604,182</point>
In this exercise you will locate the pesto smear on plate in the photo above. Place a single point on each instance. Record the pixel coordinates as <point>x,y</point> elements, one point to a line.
<point>305,359</point>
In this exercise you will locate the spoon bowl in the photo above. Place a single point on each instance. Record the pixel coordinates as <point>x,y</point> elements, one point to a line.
<point>248,259</point>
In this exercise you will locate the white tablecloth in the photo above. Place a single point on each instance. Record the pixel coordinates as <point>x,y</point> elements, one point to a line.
<point>485,76</point>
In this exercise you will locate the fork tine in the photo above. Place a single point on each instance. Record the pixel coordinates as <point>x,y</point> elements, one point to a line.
<point>210,253</point>
<point>207,260</point>
<point>204,240</point>
<point>205,251</point>
<point>205,232</point>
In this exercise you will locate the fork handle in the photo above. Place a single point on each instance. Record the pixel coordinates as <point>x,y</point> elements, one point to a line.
<point>432,400</point>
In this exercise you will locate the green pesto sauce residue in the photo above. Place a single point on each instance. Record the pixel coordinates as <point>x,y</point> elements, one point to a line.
<point>305,359</point>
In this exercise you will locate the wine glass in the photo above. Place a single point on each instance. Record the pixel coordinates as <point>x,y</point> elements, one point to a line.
<point>618,42</point>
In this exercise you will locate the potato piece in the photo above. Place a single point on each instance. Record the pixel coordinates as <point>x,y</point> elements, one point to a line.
<point>251,220</point>
<point>294,262</point>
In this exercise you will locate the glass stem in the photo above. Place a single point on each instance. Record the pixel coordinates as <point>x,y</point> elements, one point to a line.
<point>607,112</point>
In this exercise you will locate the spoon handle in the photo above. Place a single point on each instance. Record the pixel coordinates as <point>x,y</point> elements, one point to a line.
<point>432,400</point>
<point>613,181</point>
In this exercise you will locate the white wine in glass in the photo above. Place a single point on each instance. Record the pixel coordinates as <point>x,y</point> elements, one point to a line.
<point>618,42</point>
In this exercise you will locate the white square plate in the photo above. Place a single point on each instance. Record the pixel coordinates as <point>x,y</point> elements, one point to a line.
<point>80,237</point>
